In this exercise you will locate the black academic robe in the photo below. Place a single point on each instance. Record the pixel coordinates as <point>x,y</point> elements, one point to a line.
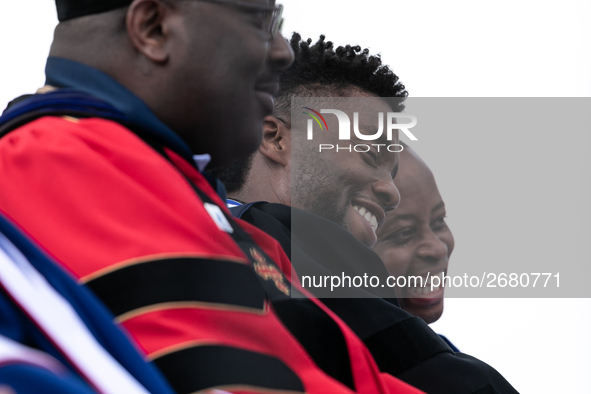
<point>402,345</point>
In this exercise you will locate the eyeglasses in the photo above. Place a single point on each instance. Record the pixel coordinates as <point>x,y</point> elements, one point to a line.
<point>272,15</point>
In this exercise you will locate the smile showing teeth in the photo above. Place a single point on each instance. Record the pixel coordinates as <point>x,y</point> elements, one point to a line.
<point>426,290</point>
<point>367,215</point>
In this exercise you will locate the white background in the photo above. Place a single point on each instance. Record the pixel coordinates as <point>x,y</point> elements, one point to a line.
<point>439,48</point>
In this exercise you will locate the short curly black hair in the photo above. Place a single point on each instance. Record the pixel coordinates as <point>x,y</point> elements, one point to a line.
<point>320,69</point>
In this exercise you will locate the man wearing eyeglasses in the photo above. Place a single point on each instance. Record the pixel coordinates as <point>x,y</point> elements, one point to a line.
<point>103,168</point>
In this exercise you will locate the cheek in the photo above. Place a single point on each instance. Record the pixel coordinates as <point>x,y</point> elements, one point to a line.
<point>237,61</point>
<point>256,62</point>
<point>356,176</point>
<point>448,239</point>
<point>396,260</point>
<point>250,54</point>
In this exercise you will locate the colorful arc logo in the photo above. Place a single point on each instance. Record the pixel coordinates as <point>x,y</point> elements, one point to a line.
<point>316,117</point>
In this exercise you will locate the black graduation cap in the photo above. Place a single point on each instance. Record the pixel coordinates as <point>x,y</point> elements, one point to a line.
<point>69,9</point>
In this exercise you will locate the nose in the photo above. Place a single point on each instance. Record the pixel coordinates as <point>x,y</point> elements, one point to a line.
<point>280,54</point>
<point>432,248</point>
<point>387,193</point>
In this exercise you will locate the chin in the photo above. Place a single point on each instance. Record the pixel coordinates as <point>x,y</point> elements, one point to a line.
<point>363,238</point>
<point>358,230</point>
<point>239,149</point>
<point>428,314</point>
<point>248,139</point>
<point>431,318</point>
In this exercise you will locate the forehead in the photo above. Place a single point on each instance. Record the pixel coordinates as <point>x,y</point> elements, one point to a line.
<point>233,6</point>
<point>316,122</point>
<point>257,2</point>
<point>367,111</point>
<point>365,105</point>
<point>414,179</point>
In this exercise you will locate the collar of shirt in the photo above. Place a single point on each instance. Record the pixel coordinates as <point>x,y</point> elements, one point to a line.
<point>64,73</point>
<point>232,203</point>
<point>201,161</point>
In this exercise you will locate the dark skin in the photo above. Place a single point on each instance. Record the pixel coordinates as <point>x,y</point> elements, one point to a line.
<point>349,180</point>
<point>202,68</point>
<point>415,240</point>
<point>269,177</point>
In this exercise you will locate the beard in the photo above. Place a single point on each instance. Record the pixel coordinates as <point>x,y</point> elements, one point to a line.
<point>315,190</point>
<point>325,204</point>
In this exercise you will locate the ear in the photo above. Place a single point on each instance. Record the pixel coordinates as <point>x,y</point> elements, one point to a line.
<point>276,144</point>
<point>148,27</point>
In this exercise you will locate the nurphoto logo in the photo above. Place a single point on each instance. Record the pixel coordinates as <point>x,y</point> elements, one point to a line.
<point>391,119</point>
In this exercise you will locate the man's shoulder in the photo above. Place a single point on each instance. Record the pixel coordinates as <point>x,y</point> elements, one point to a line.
<point>49,132</point>
<point>77,148</point>
<point>273,219</point>
<point>96,174</point>
<point>263,211</point>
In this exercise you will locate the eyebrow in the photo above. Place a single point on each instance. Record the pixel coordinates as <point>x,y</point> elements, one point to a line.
<point>256,6</point>
<point>395,171</point>
<point>407,216</point>
<point>438,206</point>
<point>383,139</point>
<point>369,130</point>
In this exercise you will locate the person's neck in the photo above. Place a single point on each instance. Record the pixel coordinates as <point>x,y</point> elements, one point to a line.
<point>249,193</point>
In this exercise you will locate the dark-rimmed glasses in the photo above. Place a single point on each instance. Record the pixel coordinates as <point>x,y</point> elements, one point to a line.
<point>273,22</point>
